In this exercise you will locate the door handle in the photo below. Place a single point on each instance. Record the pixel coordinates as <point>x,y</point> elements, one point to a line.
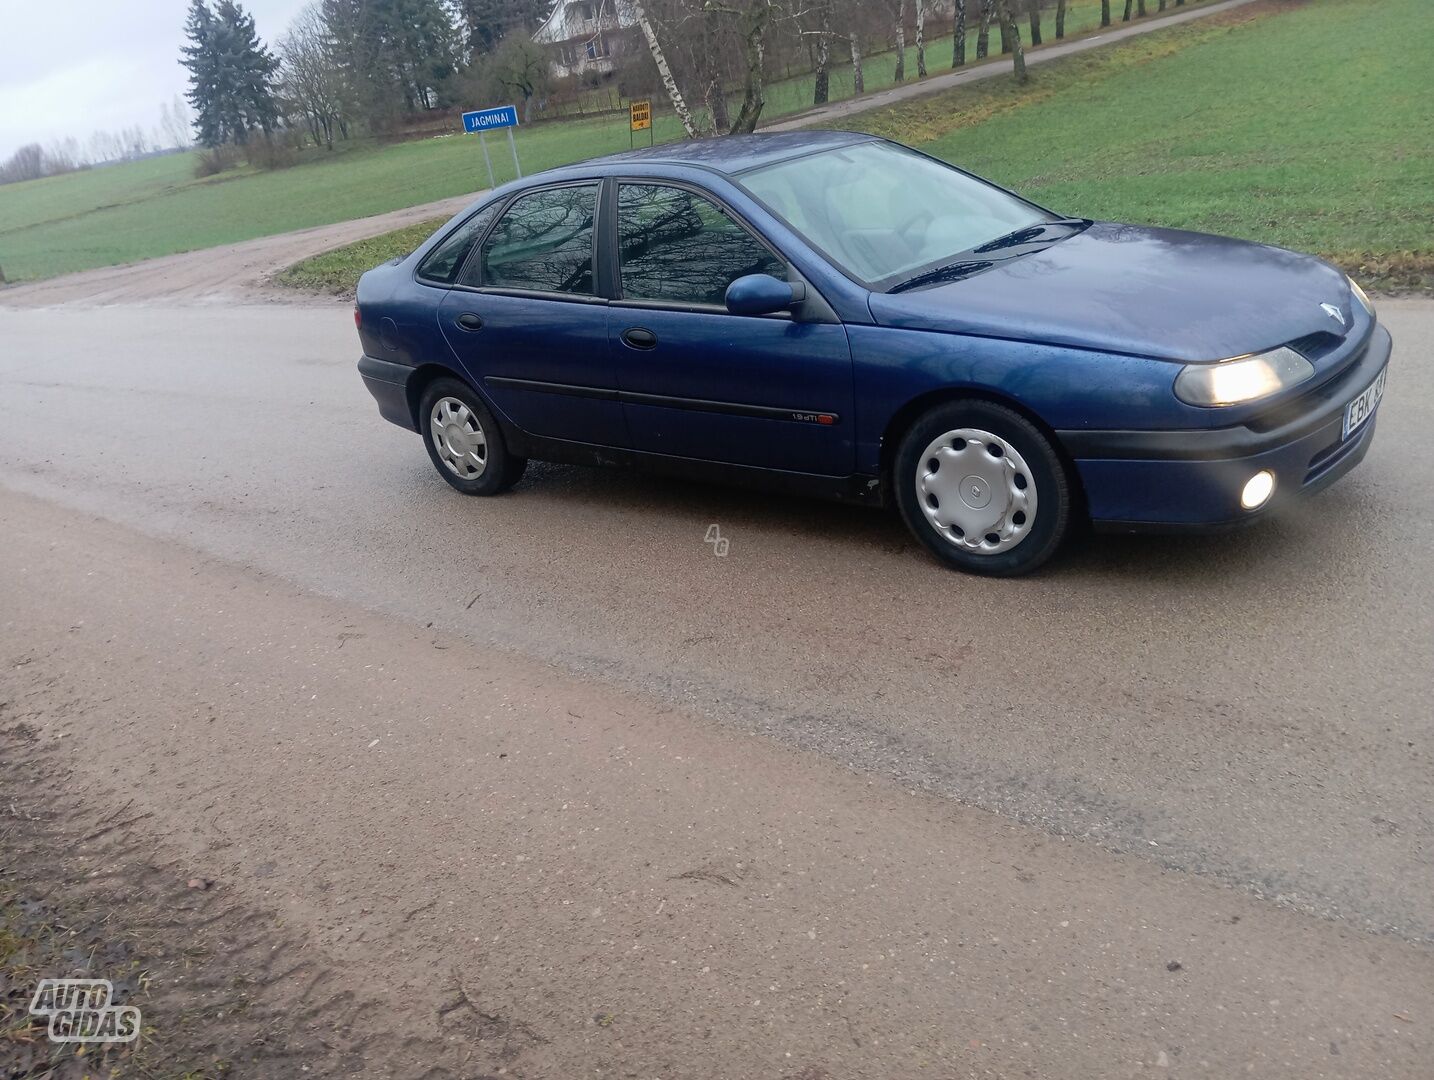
<point>640,338</point>
<point>469,321</point>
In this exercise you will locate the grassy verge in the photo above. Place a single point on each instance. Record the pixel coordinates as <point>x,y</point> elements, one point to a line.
<point>1319,138</point>
<point>338,271</point>
<point>136,211</point>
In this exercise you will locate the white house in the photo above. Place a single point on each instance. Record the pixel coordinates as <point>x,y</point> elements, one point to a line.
<point>583,34</point>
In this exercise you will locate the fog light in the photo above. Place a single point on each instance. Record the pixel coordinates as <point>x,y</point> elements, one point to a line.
<point>1258,490</point>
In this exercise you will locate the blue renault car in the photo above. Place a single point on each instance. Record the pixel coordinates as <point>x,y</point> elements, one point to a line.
<point>833,314</point>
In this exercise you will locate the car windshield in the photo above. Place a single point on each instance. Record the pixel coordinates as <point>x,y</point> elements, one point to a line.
<point>887,215</point>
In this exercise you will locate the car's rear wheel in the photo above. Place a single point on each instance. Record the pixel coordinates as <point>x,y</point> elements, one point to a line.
<point>982,488</point>
<point>464,441</point>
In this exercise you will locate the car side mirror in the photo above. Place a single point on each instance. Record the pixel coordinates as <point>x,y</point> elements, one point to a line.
<point>762,294</point>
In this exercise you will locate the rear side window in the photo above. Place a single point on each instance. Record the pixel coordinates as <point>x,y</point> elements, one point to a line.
<point>443,261</point>
<point>675,245</point>
<point>543,243</point>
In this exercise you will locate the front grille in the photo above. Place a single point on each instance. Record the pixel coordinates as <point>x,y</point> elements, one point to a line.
<point>1316,346</point>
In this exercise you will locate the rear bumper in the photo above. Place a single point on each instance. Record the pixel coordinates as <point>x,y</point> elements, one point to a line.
<point>388,383</point>
<point>1191,480</point>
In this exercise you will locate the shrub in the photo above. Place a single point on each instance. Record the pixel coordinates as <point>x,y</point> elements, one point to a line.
<point>216,159</point>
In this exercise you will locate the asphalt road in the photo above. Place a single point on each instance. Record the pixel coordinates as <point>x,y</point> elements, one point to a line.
<point>1253,708</point>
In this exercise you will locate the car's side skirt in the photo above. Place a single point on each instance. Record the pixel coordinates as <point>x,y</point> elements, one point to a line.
<point>856,488</point>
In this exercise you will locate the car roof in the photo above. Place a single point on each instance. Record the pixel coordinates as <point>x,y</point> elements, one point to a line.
<point>731,154</point>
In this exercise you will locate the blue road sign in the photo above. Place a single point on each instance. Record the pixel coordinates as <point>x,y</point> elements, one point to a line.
<point>505,116</point>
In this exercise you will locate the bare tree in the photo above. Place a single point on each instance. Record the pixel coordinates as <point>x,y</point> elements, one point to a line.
<point>899,36</point>
<point>753,22</point>
<point>1060,19</point>
<point>921,39</point>
<point>175,125</point>
<point>664,71</point>
<point>821,92</point>
<point>1104,12</point>
<point>958,35</point>
<point>26,163</point>
<point>312,82</point>
<point>1034,7</point>
<point>1011,32</point>
<point>983,33</point>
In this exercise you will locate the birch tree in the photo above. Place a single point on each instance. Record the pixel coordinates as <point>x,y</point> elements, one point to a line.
<point>664,72</point>
<point>958,35</point>
<point>1011,31</point>
<point>899,32</point>
<point>921,39</point>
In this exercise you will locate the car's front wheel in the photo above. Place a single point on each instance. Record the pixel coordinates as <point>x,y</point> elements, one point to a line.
<point>982,488</point>
<point>464,441</point>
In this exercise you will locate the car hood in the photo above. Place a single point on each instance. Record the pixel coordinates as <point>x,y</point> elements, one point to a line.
<point>1148,292</point>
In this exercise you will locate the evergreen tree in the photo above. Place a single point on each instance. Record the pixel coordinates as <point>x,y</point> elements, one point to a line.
<point>488,21</point>
<point>231,74</point>
<point>399,54</point>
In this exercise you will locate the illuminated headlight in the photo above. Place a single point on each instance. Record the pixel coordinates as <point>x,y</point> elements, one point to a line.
<point>1257,490</point>
<point>1244,378</point>
<point>1360,295</point>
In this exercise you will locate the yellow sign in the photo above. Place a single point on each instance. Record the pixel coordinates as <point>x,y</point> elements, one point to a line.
<point>641,115</point>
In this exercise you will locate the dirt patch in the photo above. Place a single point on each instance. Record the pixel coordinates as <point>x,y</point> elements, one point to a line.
<point>225,988</point>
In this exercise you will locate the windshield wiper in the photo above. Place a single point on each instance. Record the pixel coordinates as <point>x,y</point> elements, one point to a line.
<point>1018,237</point>
<point>951,272</point>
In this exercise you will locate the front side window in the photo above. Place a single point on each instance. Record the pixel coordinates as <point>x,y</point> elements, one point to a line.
<point>443,261</point>
<point>885,214</point>
<point>675,245</point>
<point>543,243</point>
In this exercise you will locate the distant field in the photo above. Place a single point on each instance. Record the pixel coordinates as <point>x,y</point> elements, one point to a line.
<point>1304,123</point>
<point>156,207</point>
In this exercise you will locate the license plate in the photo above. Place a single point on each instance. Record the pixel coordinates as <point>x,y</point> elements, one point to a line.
<point>1362,407</point>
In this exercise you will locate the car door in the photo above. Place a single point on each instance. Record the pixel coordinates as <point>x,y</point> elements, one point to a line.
<point>526,323</point>
<point>696,381</point>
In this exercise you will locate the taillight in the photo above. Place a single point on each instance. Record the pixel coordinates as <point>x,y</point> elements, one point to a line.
<point>358,318</point>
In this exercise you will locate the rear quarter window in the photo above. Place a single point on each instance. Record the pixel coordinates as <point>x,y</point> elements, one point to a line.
<point>444,261</point>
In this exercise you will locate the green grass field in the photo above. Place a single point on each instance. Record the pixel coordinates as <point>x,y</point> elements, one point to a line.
<point>1312,129</point>
<point>135,211</point>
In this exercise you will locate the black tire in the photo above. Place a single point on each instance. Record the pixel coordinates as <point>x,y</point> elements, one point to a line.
<point>1051,518</point>
<point>500,469</point>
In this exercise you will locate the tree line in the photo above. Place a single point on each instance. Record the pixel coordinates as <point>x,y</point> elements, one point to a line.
<point>347,65</point>
<point>34,161</point>
<point>344,66</point>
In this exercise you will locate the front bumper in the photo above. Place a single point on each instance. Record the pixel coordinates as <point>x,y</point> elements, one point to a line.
<point>1191,480</point>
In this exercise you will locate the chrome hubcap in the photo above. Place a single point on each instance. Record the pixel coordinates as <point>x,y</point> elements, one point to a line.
<point>458,437</point>
<point>975,489</point>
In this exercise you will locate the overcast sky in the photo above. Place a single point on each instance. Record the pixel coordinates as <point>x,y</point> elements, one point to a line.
<point>71,67</point>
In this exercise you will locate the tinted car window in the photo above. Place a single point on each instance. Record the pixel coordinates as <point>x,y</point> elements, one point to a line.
<point>544,242</point>
<point>443,261</point>
<point>676,245</point>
